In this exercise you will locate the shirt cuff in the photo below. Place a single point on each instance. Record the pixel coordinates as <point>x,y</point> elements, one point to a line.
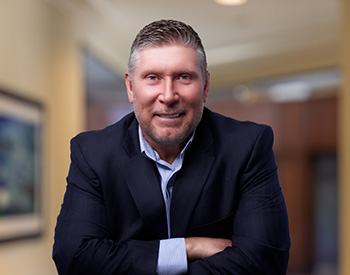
<point>172,258</point>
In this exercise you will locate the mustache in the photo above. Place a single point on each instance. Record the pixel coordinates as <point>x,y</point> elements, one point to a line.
<point>169,110</point>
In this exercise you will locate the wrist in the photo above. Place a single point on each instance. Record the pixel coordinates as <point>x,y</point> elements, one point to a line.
<point>192,248</point>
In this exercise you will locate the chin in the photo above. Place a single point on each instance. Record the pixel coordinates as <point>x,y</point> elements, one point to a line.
<point>175,139</point>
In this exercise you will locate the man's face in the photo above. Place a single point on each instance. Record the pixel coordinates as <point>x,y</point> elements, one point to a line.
<point>168,93</point>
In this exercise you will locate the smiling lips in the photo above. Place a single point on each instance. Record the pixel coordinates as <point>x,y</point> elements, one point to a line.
<point>169,116</point>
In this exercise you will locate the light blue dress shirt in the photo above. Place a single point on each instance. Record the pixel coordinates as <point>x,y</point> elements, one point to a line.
<point>172,258</point>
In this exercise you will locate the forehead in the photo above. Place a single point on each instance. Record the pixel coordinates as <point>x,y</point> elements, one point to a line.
<point>167,56</point>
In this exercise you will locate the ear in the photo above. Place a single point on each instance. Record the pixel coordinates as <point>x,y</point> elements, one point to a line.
<point>206,88</point>
<point>129,88</point>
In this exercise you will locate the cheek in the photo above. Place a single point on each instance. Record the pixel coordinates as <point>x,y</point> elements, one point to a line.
<point>144,106</point>
<point>143,96</point>
<point>196,99</point>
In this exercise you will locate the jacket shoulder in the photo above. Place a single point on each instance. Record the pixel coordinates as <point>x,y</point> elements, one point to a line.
<point>112,133</point>
<point>227,126</point>
<point>97,145</point>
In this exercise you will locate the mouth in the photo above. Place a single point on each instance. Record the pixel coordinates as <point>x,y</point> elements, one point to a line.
<point>169,115</point>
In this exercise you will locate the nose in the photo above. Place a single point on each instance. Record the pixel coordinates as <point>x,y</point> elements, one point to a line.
<point>168,94</point>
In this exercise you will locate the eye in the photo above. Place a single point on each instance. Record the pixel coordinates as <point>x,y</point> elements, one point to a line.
<point>185,78</point>
<point>152,77</point>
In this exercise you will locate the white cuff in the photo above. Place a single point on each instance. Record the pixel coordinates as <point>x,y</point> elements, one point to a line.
<point>172,258</point>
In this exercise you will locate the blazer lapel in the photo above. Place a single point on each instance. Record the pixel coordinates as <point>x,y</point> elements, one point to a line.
<point>191,179</point>
<point>143,182</point>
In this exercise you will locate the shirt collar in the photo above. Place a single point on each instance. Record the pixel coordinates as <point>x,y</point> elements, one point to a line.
<point>148,151</point>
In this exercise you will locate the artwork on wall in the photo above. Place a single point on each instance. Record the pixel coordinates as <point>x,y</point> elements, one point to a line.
<point>21,129</point>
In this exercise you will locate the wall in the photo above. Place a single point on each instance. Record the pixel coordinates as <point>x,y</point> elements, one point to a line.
<point>40,59</point>
<point>344,144</point>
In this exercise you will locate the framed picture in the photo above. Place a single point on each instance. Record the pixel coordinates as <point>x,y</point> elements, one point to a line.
<point>21,128</point>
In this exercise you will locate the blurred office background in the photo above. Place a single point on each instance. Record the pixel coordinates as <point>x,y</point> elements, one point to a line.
<point>283,63</point>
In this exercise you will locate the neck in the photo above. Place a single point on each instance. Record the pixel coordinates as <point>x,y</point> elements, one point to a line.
<point>167,152</point>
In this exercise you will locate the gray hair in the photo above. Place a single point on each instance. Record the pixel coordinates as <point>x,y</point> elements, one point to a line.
<point>165,32</point>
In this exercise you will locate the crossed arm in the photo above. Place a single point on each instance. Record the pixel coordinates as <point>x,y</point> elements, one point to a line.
<point>260,243</point>
<point>198,248</point>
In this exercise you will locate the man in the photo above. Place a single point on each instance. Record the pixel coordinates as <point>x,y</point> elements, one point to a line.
<point>172,188</point>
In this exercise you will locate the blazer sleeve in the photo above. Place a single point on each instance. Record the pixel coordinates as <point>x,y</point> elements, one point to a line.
<point>83,244</point>
<point>260,240</point>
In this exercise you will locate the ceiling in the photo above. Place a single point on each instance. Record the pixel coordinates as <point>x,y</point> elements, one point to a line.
<point>259,39</point>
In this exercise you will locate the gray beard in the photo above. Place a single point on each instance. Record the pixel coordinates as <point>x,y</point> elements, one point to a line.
<point>175,140</point>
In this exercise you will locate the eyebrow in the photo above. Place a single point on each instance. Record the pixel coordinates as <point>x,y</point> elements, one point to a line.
<point>175,73</point>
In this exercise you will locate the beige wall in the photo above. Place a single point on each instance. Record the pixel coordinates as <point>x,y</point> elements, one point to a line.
<point>344,145</point>
<point>40,60</point>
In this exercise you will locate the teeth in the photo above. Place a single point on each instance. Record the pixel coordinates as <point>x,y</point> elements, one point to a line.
<point>170,116</point>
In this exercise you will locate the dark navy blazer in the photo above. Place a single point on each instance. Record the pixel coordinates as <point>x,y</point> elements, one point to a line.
<point>113,213</point>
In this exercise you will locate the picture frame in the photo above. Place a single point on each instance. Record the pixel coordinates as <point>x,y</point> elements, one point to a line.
<point>21,136</point>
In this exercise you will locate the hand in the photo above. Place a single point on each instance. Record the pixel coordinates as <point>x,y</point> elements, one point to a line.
<point>201,247</point>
